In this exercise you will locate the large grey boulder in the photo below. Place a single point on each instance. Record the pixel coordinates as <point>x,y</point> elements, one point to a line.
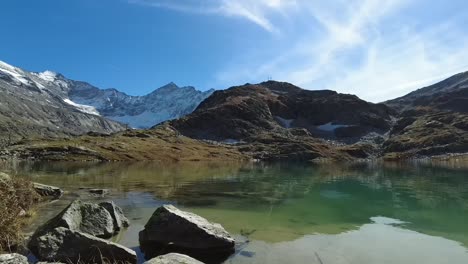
<point>84,217</point>
<point>173,258</point>
<point>47,190</point>
<point>64,245</point>
<point>118,217</point>
<point>172,230</point>
<point>13,259</point>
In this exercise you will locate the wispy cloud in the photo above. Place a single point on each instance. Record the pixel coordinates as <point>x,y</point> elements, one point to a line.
<point>377,49</point>
<point>254,11</point>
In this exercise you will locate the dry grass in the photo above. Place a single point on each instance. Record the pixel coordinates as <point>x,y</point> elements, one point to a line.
<point>17,197</point>
<point>162,144</point>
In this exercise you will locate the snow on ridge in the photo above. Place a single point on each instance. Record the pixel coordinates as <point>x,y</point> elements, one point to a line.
<point>48,76</point>
<point>18,75</point>
<point>7,66</point>
<point>82,108</point>
<point>145,119</point>
<point>330,127</point>
<point>286,123</point>
<point>14,72</point>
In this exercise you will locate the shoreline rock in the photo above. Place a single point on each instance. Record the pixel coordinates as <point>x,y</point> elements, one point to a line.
<point>47,190</point>
<point>65,245</point>
<point>172,230</point>
<point>118,217</point>
<point>173,258</point>
<point>13,258</point>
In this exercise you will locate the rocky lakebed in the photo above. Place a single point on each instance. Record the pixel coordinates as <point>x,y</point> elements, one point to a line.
<point>81,233</point>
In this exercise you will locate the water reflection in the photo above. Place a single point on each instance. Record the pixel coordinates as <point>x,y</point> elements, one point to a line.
<point>282,208</point>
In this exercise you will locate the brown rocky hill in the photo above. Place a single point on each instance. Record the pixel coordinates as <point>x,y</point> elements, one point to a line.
<point>433,120</point>
<point>280,121</point>
<point>242,113</point>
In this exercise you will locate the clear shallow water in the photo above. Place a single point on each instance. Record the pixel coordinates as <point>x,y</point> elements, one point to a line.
<point>290,213</point>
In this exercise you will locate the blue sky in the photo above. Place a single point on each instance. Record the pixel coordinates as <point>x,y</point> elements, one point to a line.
<point>377,49</point>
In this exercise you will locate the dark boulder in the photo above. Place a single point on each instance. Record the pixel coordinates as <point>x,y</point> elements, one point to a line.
<point>172,230</point>
<point>64,245</point>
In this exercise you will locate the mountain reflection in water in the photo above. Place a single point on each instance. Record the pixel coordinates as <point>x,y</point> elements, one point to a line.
<point>371,213</point>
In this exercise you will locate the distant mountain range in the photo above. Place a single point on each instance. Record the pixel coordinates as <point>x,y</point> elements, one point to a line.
<point>276,120</point>
<point>266,121</point>
<point>48,104</point>
<point>165,103</point>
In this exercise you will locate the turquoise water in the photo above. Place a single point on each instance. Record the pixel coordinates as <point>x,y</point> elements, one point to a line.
<point>289,213</point>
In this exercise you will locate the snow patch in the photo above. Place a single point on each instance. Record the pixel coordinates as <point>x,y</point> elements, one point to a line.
<point>14,72</point>
<point>82,108</point>
<point>144,120</point>
<point>330,127</point>
<point>48,76</point>
<point>284,122</point>
<point>231,141</point>
<point>386,221</point>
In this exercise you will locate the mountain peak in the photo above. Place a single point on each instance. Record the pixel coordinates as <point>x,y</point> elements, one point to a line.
<point>49,76</point>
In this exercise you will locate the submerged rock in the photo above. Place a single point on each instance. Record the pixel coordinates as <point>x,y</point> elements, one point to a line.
<point>173,258</point>
<point>118,217</point>
<point>47,190</point>
<point>64,245</point>
<point>13,258</point>
<point>172,230</point>
<point>100,192</point>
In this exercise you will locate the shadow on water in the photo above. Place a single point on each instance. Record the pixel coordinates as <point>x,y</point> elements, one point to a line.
<point>273,204</point>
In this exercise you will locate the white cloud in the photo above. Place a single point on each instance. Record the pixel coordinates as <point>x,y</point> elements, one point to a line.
<point>254,11</point>
<point>377,49</point>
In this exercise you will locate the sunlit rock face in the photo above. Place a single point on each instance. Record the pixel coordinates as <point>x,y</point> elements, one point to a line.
<point>38,105</point>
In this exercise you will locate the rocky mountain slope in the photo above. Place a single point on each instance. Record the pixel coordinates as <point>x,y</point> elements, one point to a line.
<point>242,112</point>
<point>279,120</point>
<point>48,104</point>
<point>432,120</point>
<point>166,103</point>
<point>276,121</point>
<point>37,105</point>
<point>450,94</point>
<point>266,121</point>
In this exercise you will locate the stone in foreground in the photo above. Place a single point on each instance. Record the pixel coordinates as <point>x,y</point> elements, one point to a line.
<point>172,230</point>
<point>173,258</point>
<point>13,259</point>
<point>88,218</point>
<point>47,190</point>
<point>118,217</point>
<point>64,245</point>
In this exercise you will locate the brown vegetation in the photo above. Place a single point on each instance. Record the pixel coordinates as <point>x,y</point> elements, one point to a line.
<point>17,197</point>
<point>162,144</point>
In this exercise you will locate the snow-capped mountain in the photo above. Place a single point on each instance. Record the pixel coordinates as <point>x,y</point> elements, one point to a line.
<point>49,104</point>
<point>166,103</point>
<point>37,104</point>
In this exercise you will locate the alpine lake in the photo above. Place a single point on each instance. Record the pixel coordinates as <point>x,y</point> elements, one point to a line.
<point>392,213</point>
